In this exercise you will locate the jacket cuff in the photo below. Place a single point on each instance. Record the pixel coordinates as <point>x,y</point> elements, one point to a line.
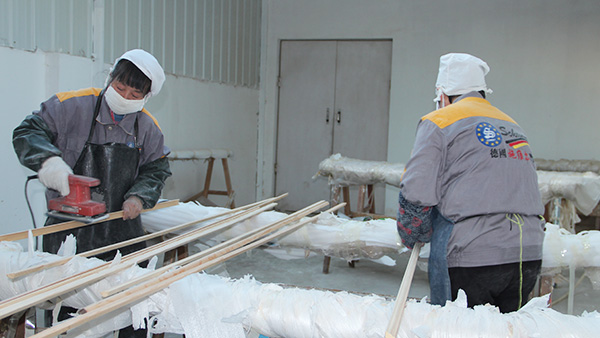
<point>413,222</point>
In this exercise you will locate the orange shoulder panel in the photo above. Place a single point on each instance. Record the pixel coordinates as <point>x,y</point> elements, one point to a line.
<point>78,93</point>
<point>152,117</point>
<point>465,108</point>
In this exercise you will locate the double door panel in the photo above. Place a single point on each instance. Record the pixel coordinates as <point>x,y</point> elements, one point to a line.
<point>333,98</point>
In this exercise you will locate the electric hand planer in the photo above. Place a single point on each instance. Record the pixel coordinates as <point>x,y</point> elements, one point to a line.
<point>78,205</point>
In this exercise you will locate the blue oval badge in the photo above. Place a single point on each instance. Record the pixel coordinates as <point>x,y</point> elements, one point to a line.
<point>488,135</point>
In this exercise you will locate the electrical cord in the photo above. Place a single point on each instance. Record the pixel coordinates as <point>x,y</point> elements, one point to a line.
<point>29,178</point>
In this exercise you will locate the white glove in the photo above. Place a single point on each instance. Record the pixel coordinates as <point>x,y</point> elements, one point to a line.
<point>132,207</point>
<point>54,174</point>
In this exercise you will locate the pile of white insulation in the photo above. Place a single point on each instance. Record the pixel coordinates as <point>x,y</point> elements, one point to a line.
<point>203,305</point>
<point>356,239</point>
<point>581,188</point>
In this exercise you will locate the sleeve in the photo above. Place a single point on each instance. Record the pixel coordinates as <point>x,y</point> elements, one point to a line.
<point>33,142</point>
<point>421,181</point>
<point>413,223</point>
<point>150,181</point>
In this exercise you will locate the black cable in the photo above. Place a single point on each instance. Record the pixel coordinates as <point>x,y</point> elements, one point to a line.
<point>29,178</point>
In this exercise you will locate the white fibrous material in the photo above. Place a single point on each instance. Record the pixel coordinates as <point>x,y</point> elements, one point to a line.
<point>12,259</point>
<point>351,239</point>
<point>568,165</point>
<point>203,305</point>
<point>342,170</point>
<point>232,307</point>
<point>582,188</point>
<point>562,249</point>
<point>329,235</point>
<point>199,154</point>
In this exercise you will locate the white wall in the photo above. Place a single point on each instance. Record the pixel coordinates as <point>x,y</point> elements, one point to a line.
<point>22,88</point>
<point>543,56</point>
<point>192,115</point>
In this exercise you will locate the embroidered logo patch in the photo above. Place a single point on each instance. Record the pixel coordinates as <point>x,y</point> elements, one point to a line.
<point>488,135</point>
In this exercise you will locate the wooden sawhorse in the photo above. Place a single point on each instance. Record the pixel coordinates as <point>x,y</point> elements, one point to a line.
<point>206,191</point>
<point>209,155</point>
<point>365,194</point>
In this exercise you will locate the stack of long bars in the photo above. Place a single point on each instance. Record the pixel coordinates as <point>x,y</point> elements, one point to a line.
<point>154,281</point>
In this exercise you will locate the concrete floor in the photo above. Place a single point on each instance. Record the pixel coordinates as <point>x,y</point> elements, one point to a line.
<point>365,277</point>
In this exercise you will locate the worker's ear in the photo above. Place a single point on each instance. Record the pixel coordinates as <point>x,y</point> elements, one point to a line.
<point>444,101</point>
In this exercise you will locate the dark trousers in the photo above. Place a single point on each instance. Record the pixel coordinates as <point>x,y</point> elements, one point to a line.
<point>499,285</point>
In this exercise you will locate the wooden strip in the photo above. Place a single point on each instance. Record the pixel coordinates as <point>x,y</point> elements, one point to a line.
<point>136,257</point>
<point>218,192</point>
<point>396,319</point>
<point>123,299</point>
<point>84,278</point>
<point>75,224</point>
<point>115,246</point>
<point>228,245</point>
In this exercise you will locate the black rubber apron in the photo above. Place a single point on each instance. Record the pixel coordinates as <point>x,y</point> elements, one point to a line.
<point>116,165</point>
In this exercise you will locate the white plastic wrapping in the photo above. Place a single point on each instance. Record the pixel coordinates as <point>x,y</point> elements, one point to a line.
<point>200,154</point>
<point>582,188</point>
<point>329,235</point>
<point>203,305</point>
<point>342,170</point>
<point>562,249</point>
<point>12,258</point>
<point>351,239</point>
<point>568,165</point>
<point>276,311</point>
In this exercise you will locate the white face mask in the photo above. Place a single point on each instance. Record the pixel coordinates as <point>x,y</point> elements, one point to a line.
<point>120,105</point>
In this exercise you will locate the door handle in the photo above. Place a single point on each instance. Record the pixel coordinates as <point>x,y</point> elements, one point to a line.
<point>327,116</point>
<point>338,116</point>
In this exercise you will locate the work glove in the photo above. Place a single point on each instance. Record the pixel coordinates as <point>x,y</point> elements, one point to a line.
<point>132,207</point>
<point>414,222</point>
<point>54,174</point>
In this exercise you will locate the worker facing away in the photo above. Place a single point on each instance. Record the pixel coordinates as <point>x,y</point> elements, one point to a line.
<point>470,188</point>
<point>105,134</point>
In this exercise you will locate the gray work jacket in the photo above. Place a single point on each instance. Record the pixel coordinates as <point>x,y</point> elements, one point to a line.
<point>475,164</point>
<point>61,128</point>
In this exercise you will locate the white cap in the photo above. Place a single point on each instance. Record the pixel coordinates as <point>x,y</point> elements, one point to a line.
<point>148,64</point>
<point>459,74</point>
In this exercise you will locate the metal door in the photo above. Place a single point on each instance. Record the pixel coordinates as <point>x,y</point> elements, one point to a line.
<point>333,98</point>
<point>362,96</point>
<point>305,119</point>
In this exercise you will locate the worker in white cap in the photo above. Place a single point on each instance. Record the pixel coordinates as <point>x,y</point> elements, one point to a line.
<point>470,188</point>
<point>107,134</point>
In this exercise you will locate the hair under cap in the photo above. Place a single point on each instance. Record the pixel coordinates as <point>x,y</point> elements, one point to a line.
<point>148,64</point>
<point>460,73</point>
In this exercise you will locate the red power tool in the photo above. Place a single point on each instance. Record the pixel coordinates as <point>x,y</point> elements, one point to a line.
<point>78,205</point>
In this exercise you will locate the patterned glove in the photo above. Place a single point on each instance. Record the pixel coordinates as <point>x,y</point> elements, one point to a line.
<point>413,222</point>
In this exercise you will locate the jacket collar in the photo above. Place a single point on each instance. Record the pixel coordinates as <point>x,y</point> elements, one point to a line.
<point>127,123</point>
